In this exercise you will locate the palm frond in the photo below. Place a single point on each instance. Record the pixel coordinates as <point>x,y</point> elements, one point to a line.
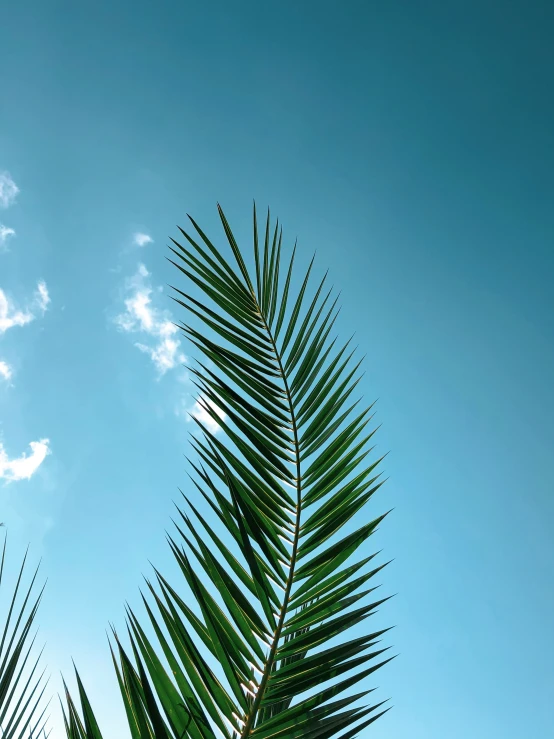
<point>21,686</point>
<point>260,646</point>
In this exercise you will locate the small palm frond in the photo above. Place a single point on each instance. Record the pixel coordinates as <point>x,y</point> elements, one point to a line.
<point>75,727</point>
<point>21,687</point>
<point>259,647</point>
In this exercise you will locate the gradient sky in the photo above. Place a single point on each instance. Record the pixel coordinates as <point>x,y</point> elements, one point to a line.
<point>412,145</point>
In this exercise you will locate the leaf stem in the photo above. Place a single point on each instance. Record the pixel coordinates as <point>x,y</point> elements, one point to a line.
<point>249,725</point>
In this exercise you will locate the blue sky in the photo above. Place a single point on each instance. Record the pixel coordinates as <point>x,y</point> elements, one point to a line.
<point>412,145</point>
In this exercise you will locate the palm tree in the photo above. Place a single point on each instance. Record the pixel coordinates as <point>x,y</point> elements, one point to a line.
<point>257,644</point>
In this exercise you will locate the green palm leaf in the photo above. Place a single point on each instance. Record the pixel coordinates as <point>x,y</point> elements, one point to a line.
<point>260,646</point>
<point>21,686</point>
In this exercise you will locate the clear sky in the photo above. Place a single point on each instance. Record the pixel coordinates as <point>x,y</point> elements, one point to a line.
<point>412,145</point>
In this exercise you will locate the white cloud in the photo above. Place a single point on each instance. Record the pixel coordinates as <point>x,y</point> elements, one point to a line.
<point>200,412</point>
<point>5,370</point>
<point>5,233</point>
<point>42,298</point>
<point>25,466</point>
<point>141,239</point>
<point>165,355</point>
<point>10,316</point>
<point>8,190</point>
<point>142,317</point>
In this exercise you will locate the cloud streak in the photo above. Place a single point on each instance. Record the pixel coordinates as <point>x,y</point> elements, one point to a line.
<point>8,190</point>
<point>5,234</point>
<point>141,239</point>
<point>24,466</point>
<point>42,298</point>
<point>11,316</point>
<point>13,469</point>
<point>6,372</point>
<point>199,411</point>
<point>152,324</point>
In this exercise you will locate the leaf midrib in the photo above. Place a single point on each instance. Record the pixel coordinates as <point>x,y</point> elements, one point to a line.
<point>249,725</point>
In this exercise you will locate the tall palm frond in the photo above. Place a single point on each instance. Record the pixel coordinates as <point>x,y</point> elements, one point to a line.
<point>21,687</point>
<point>258,646</point>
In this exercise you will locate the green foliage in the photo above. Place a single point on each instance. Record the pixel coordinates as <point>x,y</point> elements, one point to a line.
<point>259,645</point>
<point>21,689</point>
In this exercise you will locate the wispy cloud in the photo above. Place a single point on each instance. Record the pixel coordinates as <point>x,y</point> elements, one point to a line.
<point>199,411</point>
<point>42,298</point>
<point>8,190</point>
<point>165,354</point>
<point>11,316</point>
<point>152,324</point>
<point>141,239</point>
<point>5,234</point>
<point>6,372</point>
<point>25,466</point>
